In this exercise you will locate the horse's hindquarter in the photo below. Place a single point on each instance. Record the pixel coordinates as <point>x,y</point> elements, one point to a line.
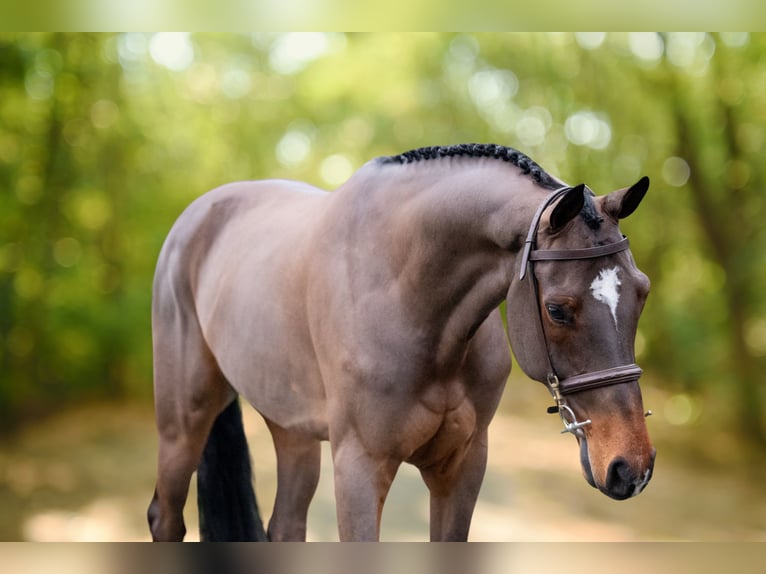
<point>250,298</point>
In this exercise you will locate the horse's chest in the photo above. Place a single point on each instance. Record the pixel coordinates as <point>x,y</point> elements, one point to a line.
<point>454,429</point>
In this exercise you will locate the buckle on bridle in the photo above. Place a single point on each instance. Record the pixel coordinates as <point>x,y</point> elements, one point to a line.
<point>561,408</point>
<point>577,383</point>
<point>575,425</point>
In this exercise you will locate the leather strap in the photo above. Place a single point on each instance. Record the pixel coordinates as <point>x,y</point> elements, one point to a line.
<point>613,376</point>
<point>586,253</point>
<point>532,234</point>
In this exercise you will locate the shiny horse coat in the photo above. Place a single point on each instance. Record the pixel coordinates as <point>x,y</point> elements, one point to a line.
<point>369,317</point>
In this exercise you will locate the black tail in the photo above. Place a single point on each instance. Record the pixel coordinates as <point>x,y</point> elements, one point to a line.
<point>225,497</point>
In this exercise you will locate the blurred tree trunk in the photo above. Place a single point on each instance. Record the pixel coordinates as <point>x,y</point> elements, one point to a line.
<point>111,174</point>
<point>43,222</point>
<point>720,217</point>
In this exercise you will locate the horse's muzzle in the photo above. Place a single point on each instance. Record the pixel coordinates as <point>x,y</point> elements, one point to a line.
<point>624,481</point>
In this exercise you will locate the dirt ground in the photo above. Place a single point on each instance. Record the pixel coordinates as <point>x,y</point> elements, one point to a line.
<point>88,474</point>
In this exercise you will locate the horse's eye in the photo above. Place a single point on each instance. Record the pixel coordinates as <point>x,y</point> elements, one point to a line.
<point>557,313</point>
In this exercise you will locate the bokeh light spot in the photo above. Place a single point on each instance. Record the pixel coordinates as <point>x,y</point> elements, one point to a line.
<point>675,171</point>
<point>172,50</point>
<point>336,169</point>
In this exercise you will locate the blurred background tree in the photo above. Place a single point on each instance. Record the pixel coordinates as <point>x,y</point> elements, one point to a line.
<point>105,138</point>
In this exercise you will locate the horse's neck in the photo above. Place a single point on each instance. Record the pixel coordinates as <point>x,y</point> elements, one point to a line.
<point>488,200</point>
<point>449,237</point>
<point>442,217</point>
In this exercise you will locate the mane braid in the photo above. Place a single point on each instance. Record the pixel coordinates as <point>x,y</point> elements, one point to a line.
<point>494,151</point>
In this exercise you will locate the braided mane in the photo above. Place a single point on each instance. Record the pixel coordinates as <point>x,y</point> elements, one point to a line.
<point>494,151</point>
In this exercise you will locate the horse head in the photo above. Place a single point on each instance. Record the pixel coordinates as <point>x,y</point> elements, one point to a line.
<point>573,312</point>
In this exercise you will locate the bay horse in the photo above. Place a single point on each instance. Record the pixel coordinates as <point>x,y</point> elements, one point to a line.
<point>370,317</point>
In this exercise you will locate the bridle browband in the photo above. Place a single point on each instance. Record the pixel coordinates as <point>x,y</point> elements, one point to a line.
<point>559,388</point>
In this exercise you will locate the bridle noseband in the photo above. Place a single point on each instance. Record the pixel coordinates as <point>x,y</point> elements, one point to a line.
<point>559,388</point>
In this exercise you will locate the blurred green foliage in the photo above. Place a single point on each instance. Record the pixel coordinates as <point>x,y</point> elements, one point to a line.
<point>105,138</point>
<point>485,15</point>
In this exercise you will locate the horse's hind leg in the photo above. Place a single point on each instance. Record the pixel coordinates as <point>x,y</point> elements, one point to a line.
<point>298,464</point>
<point>190,392</point>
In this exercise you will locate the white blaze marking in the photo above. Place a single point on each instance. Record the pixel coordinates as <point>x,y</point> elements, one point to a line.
<point>605,289</point>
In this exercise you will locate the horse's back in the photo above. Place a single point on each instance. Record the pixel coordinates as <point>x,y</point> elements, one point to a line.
<point>223,207</point>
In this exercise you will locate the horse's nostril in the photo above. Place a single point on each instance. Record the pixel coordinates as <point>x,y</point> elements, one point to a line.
<point>620,479</point>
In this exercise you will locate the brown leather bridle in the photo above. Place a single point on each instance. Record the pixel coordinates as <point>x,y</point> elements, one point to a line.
<point>558,387</point>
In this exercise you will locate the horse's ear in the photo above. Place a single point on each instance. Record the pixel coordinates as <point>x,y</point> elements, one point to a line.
<point>620,204</point>
<point>568,207</point>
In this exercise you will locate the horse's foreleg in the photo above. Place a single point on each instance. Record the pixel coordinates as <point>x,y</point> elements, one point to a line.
<point>454,489</point>
<point>362,482</point>
<point>298,463</point>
